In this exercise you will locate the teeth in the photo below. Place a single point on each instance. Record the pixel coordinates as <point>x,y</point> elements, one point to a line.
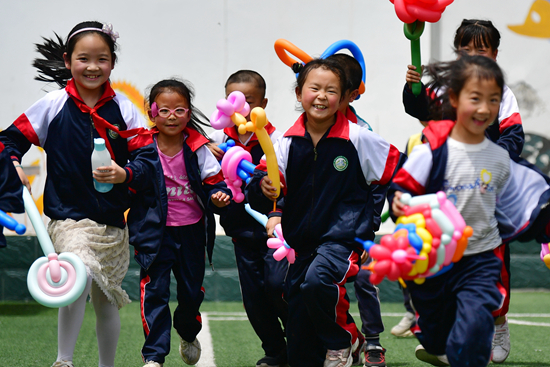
<point>320,107</point>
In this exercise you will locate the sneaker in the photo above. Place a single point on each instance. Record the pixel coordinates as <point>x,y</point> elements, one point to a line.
<point>358,354</point>
<point>190,352</point>
<point>432,359</point>
<point>278,361</point>
<point>375,356</point>
<point>342,357</point>
<point>403,329</point>
<point>501,343</point>
<point>152,364</point>
<point>63,364</point>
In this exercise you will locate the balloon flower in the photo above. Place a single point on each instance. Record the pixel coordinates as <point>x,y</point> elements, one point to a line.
<point>10,223</point>
<point>54,280</point>
<point>545,254</point>
<point>414,13</point>
<point>283,46</point>
<point>283,250</point>
<point>236,166</point>
<point>427,240</point>
<point>230,111</point>
<point>257,123</point>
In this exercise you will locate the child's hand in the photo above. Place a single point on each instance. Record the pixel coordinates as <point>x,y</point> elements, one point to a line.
<point>218,153</point>
<point>22,176</point>
<point>412,76</point>
<point>364,257</point>
<point>113,174</point>
<point>269,191</point>
<point>270,225</point>
<point>396,205</point>
<point>220,199</point>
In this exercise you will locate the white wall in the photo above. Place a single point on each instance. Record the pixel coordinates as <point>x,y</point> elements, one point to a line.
<point>205,41</point>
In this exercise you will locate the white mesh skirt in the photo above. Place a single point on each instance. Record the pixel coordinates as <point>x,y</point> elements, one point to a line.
<point>103,249</point>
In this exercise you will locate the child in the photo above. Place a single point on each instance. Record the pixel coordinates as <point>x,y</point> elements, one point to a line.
<point>84,221</point>
<point>191,186</point>
<point>365,292</point>
<point>11,191</point>
<point>260,275</point>
<point>480,37</point>
<point>497,198</point>
<point>327,165</point>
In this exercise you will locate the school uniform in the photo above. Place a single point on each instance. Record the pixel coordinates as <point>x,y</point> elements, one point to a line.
<point>324,206</point>
<point>261,277</point>
<point>11,189</point>
<point>174,247</point>
<point>502,199</point>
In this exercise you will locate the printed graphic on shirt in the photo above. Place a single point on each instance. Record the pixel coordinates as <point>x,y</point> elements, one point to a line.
<point>114,134</point>
<point>340,163</point>
<point>482,183</point>
<point>178,188</point>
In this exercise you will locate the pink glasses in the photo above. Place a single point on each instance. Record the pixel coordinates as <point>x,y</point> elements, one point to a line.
<point>166,112</point>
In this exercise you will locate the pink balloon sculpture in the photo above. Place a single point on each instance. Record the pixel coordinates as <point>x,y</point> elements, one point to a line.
<point>283,250</point>
<point>409,11</point>
<point>230,111</point>
<point>231,162</point>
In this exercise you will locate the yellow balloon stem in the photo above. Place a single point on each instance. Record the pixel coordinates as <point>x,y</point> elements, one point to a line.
<point>402,282</point>
<point>274,206</point>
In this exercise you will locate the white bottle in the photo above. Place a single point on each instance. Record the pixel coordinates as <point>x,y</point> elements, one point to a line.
<point>101,158</point>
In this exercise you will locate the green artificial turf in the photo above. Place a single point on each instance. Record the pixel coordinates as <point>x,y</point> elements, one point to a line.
<point>28,333</point>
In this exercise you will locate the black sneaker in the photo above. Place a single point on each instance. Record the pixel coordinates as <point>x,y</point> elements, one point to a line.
<point>278,361</point>
<point>375,355</point>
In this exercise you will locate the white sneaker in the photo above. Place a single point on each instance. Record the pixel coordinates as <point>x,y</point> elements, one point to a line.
<point>63,364</point>
<point>403,329</point>
<point>342,357</point>
<point>501,343</point>
<point>152,364</point>
<point>432,359</point>
<point>190,352</point>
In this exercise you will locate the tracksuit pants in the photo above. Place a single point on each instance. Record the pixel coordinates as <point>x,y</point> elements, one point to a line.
<point>261,278</point>
<point>455,310</point>
<point>318,305</point>
<point>183,253</point>
<point>369,304</point>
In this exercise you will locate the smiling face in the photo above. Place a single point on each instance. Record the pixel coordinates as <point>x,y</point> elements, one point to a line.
<point>171,126</point>
<point>477,107</point>
<point>320,96</point>
<point>90,64</point>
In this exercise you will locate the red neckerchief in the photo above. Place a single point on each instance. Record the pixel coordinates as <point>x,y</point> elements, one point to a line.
<point>101,125</point>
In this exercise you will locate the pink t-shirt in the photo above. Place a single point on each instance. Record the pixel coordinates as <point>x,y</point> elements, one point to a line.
<point>183,207</point>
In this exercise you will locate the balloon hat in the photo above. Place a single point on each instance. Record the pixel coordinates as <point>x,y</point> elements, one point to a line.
<point>414,13</point>
<point>55,280</point>
<point>427,240</point>
<point>283,46</point>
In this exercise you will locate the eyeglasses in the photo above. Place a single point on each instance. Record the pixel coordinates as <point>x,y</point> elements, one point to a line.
<point>166,112</point>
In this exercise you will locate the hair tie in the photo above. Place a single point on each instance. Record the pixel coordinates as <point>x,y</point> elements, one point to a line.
<point>107,29</point>
<point>297,67</point>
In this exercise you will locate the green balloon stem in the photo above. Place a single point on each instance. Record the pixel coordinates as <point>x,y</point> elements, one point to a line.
<point>384,217</point>
<point>413,31</point>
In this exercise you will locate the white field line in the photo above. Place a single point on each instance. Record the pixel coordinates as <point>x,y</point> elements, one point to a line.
<point>205,338</point>
<point>241,316</point>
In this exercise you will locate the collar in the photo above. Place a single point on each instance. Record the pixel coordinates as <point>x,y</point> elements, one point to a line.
<point>437,132</point>
<point>340,129</point>
<point>108,93</point>
<point>350,115</point>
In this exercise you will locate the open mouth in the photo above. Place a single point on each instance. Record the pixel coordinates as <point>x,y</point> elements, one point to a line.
<point>319,107</point>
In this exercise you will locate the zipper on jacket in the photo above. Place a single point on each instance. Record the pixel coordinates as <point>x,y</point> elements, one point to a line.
<point>312,186</point>
<point>92,127</point>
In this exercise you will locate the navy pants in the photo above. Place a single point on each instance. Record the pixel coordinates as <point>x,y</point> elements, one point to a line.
<point>369,304</point>
<point>318,305</point>
<point>261,278</point>
<point>455,310</point>
<point>181,252</point>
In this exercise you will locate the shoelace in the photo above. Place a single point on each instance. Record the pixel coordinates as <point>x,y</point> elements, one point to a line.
<point>375,355</point>
<point>334,355</point>
<point>499,336</point>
